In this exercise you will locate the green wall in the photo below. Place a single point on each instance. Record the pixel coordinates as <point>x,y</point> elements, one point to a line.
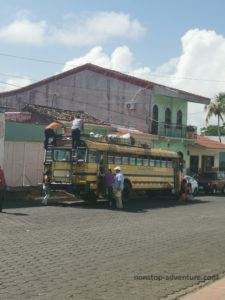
<point>174,104</point>
<point>24,132</point>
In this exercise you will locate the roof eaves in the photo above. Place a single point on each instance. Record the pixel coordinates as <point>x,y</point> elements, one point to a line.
<point>114,74</point>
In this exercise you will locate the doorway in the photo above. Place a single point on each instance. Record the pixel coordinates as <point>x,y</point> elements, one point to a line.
<point>194,160</point>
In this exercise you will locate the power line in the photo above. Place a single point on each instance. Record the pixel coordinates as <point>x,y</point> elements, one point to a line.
<point>93,103</point>
<point>152,75</point>
<point>32,59</point>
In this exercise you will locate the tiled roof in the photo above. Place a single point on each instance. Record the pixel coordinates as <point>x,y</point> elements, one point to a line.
<point>205,142</point>
<point>106,72</point>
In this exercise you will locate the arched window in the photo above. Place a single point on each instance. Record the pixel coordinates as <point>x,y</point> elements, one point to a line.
<point>155,115</point>
<point>167,117</point>
<point>179,119</point>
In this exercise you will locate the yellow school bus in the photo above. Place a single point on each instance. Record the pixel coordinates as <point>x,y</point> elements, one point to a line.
<point>143,168</point>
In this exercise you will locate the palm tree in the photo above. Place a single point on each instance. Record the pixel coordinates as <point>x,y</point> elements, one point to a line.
<point>216,109</point>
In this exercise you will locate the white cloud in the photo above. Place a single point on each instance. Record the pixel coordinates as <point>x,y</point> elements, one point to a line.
<point>90,30</point>
<point>14,83</point>
<point>23,31</point>
<point>200,69</point>
<point>120,59</point>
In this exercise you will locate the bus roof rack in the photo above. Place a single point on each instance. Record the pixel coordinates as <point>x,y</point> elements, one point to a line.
<point>109,139</point>
<point>116,140</point>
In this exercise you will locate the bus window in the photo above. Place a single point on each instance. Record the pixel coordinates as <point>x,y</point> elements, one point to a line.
<point>62,155</point>
<point>163,163</point>
<point>92,156</point>
<point>169,164</point>
<point>151,162</point>
<point>157,162</point>
<point>81,154</point>
<point>110,159</point>
<point>48,155</point>
<point>145,162</point>
<point>139,161</point>
<point>117,160</point>
<point>132,161</point>
<point>125,160</point>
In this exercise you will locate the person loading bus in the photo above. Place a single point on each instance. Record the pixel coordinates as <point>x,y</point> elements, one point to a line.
<point>77,126</point>
<point>50,133</point>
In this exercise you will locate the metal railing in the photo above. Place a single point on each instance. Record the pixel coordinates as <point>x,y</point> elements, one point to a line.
<point>174,130</point>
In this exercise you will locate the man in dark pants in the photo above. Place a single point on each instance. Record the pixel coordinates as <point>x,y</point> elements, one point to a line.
<point>77,126</point>
<point>50,133</point>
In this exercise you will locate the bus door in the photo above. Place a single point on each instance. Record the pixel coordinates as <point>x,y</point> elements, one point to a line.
<point>102,168</point>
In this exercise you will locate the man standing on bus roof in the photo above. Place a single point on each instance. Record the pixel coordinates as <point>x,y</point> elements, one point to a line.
<point>118,187</point>
<point>77,126</point>
<point>50,133</point>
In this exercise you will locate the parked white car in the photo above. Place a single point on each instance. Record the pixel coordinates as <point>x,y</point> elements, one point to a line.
<point>194,184</point>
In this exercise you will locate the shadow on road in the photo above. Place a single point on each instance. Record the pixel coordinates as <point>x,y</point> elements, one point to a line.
<point>138,203</point>
<point>15,214</point>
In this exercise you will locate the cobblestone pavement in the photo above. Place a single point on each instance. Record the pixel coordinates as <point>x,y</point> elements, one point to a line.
<point>82,251</point>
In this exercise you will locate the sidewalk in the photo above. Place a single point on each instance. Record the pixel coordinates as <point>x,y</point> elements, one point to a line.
<point>214,291</point>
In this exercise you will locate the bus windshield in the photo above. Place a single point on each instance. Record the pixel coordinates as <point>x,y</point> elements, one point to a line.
<point>62,155</point>
<point>80,154</point>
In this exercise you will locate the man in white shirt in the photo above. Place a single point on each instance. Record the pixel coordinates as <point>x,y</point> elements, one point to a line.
<point>77,126</point>
<point>118,187</point>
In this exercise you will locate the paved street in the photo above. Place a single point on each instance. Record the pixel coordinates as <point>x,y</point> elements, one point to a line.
<point>79,251</point>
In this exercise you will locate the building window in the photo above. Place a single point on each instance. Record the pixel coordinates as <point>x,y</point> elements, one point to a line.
<point>155,115</point>
<point>179,119</point>
<point>167,118</point>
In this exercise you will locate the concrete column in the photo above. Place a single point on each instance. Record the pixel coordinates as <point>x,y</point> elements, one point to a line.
<point>2,138</point>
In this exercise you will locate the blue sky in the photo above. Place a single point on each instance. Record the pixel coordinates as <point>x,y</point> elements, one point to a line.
<point>177,43</point>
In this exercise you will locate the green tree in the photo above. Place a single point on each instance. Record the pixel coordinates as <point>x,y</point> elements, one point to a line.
<point>217,109</point>
<point>212,130</point>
